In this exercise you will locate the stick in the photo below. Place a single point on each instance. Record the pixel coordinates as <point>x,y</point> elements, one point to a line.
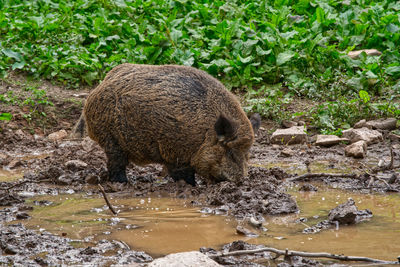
<point>317,175</point>
<point>106,199</point>
<point>304,254</point>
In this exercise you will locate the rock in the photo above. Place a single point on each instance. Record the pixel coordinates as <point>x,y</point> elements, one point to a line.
<point>255,223</point>
<point>75,164</point>
<point>88,144</point>
<point>356,150</point>
<point>360,124</point>
<point>329,140</point>
<point>344,213</point>
<point>370,52</point>
<point>382,124</point>
<point>22,216</point>
<point>57,136</point>
<point>7,199</point>
<point>64,179</point>
<point>15,163</point>
<point>368,135</point>
<point>20,134</point>
<point>184,259</point>
<point>394,137</point>
<point>289,124</point>
<point>244,231</point>
<point>292,135</point>
<point>287,152</point>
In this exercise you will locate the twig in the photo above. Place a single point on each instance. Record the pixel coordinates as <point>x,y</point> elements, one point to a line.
<point>321,175</point>
<point>304,254</point>
<point>106,199</point>
<point>25,182</point>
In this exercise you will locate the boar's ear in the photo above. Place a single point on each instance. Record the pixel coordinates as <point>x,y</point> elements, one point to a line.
<point>255,120</point>
<point>225,129</point>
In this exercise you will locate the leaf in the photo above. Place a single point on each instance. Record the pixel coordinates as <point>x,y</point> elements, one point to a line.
<point>219,63</point>
<point>246,59</point>
<point>112,37</point>
<point>18,65</point>
<point>15,55</point>
<point>393,71</point>
<point>5,116</point>
<point>364,96</point>
<point>284,57</point>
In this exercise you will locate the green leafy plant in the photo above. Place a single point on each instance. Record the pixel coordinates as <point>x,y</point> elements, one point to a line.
<point>5,116</point>
<point>300,45</point>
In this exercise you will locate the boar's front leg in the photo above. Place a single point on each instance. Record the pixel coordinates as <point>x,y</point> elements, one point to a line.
<point>117,160</point>
<point>182,173</point>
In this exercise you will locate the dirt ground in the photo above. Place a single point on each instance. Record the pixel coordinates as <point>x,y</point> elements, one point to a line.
<point>54,167</point>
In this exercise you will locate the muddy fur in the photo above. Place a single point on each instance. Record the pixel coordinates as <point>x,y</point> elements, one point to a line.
<point>177,116</point>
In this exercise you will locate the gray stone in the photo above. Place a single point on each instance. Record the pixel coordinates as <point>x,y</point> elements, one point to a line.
<point>244,231</point>
<point>64,179</point>
<point>394,137</point>
<point>329,140</point>
<point>382,124</point>
<point>370,52</point>
<point>57,136</point>
<point>288,124</point>
<point>17,162</point>
<point>184,259</point>
<point>356,150</point>
<point>287,152</point>
<point>75,164</point>
<point>344,213</point>
<point>348,213</point>
<point>368,135</point>
<point>292,135</point>
<point>360,124</point>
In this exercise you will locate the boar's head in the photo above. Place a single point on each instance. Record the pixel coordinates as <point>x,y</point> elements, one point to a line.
<point>224,153</point>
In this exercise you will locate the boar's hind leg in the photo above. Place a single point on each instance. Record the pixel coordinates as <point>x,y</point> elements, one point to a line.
<point>117,160</point>
<point>183,173</point>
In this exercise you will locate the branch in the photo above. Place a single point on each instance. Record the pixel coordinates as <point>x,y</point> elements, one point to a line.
<point>286,252</point>
<point>106,199</point>
<point>321,175</point>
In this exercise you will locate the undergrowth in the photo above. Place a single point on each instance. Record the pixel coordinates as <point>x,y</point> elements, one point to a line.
<point>298,48</point>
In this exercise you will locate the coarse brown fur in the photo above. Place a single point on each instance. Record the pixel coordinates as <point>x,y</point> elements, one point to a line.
<point>177,116</point>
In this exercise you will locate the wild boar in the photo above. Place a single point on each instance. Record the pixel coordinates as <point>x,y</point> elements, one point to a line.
<point>177,116</point>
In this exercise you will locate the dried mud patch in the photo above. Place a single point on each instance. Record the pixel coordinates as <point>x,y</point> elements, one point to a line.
<point>41,248</point>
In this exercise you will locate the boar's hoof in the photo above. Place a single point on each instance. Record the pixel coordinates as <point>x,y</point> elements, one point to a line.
<point>185,173</point>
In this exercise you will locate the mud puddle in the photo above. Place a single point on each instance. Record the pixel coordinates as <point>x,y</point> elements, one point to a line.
<point>156,225</point>
<point>160,225</point>
<point>376,238</point>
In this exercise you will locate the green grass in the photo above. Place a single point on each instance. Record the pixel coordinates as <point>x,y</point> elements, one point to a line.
<point>299,46</point>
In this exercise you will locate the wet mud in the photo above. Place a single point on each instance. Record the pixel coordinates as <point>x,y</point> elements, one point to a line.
<point>76,166</point>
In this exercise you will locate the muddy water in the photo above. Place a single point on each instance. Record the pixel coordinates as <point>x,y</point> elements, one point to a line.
<point>156,225</point>
<point>165,225</point>
<point>376,238</point>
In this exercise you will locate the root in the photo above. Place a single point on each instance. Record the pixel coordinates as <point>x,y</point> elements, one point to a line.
<point>289,253</point>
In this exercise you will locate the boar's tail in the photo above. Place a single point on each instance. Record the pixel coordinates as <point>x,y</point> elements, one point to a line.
<point>79,129</point>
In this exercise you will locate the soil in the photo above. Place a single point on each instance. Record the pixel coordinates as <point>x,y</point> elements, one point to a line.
<point>55,167</point>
